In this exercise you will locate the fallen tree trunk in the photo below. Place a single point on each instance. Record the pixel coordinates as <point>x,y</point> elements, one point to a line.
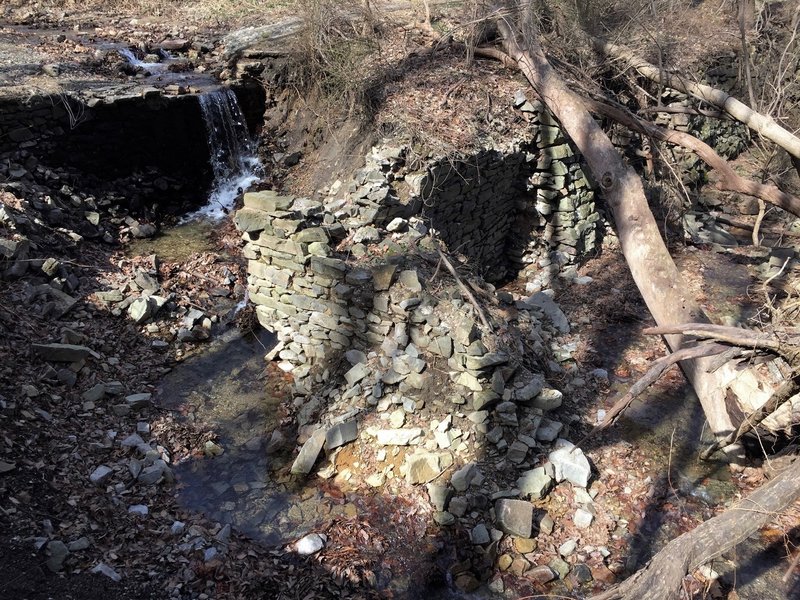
<point>729,180</point>
<point>761,124</point>
<point>661,578</point>
<point>650,263</point>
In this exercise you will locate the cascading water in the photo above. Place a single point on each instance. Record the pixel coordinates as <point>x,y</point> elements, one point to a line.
<point>232,154</point>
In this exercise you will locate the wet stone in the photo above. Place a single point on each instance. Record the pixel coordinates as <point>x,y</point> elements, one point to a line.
<point>57,553</point>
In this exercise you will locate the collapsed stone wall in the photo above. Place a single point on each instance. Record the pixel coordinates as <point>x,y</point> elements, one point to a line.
<point>388,320</point>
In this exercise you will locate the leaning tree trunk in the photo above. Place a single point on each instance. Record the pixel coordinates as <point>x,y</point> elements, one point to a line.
<point>651,265</point>
<point>661,578</point>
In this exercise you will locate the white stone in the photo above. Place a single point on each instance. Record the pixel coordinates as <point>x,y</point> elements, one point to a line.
<point>570,464</point>
<point>310,544</point>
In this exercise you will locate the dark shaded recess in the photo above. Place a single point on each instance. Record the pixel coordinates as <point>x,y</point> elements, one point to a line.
<point>161,140</point>
<point>252,99</point>
<point>476,205</point>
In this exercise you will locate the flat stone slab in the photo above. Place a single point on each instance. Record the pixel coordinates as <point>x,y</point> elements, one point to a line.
<point>61,352</point>
<point>514,517</point>
<point>397,437</point>
<point>422,468</point>
<point>308,453</point>
<point>341,434</point>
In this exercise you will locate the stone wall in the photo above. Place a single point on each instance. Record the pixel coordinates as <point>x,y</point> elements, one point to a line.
<point>362,334</point>
<point>321,273</point>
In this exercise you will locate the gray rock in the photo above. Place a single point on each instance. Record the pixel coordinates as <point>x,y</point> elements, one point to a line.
<point>61,352</point>
<point>82,543</point>
<point>534,484</point>
<point>308,453</point>
<point>94,393</point>
<point>142,230</point>
<point>463,477</point>
<point>480,535</point>
<point>530,390</point>
<point>514,517</point>
<point>410,280</point>
<point>355,357</point>
<point>151,475</point>
<point>140,310</point>
<point>548,430</point>
<point>57,553</point>
<point>356,374</point>
<point>177,527</point>
<point>422,467</point>
<point>136,401</point>
<point>101,475</point>
<point>548,399</point>
<point>439,496</point>
<point>104,569</point>
<point>517,452</point>
<point>139,509</point>
<point>341,434</point>
<point>382,277</point>
<point>397,224</point>
<point>570,464</point>
<point>458,506</point>
<point>550,308</point>
<point>560,566</point>
<point>444,518</point>
<point>567,548</point>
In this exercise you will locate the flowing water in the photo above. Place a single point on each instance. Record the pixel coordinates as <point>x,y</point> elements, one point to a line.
<point>225,389</point>
<point>128,55</point>
<point>232,153</point>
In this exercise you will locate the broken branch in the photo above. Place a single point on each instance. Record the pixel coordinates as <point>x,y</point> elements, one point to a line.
<point>658,368</point>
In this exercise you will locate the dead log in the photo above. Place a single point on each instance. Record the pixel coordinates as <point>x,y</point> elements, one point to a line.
<point>661,578</point>
<point>761,124</point>
<point>781,396</point>
<point>650,263</point>
<point>728,180</point>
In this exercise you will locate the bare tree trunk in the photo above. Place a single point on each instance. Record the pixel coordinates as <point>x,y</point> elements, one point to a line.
<point>653,269</point>
<point>761,124</point>
<point>661,578</point>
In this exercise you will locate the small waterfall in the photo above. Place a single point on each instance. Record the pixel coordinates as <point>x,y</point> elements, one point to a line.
<point>128,55</point>
<point>232,154</point>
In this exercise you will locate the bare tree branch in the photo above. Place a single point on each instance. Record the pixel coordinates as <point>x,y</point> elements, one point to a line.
<point>761,124</point>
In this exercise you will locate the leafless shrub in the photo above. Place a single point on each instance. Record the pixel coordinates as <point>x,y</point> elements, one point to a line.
<point>339,51</point>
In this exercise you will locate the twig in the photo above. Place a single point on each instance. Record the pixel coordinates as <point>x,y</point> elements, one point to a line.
<point>465,290</point>
<point>757,225</point>
<point>653,374</point>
